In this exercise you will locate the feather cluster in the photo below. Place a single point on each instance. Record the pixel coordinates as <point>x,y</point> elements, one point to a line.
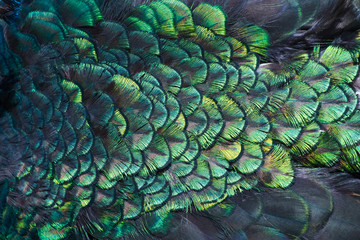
<point>119,117</point>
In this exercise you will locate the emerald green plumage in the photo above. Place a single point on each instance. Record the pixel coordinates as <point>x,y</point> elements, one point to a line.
<point>117,127</point>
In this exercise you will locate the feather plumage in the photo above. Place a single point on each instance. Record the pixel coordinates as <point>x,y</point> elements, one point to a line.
<point>179,119</point>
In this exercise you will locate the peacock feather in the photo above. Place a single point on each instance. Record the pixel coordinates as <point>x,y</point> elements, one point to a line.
<point>178,119</point>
